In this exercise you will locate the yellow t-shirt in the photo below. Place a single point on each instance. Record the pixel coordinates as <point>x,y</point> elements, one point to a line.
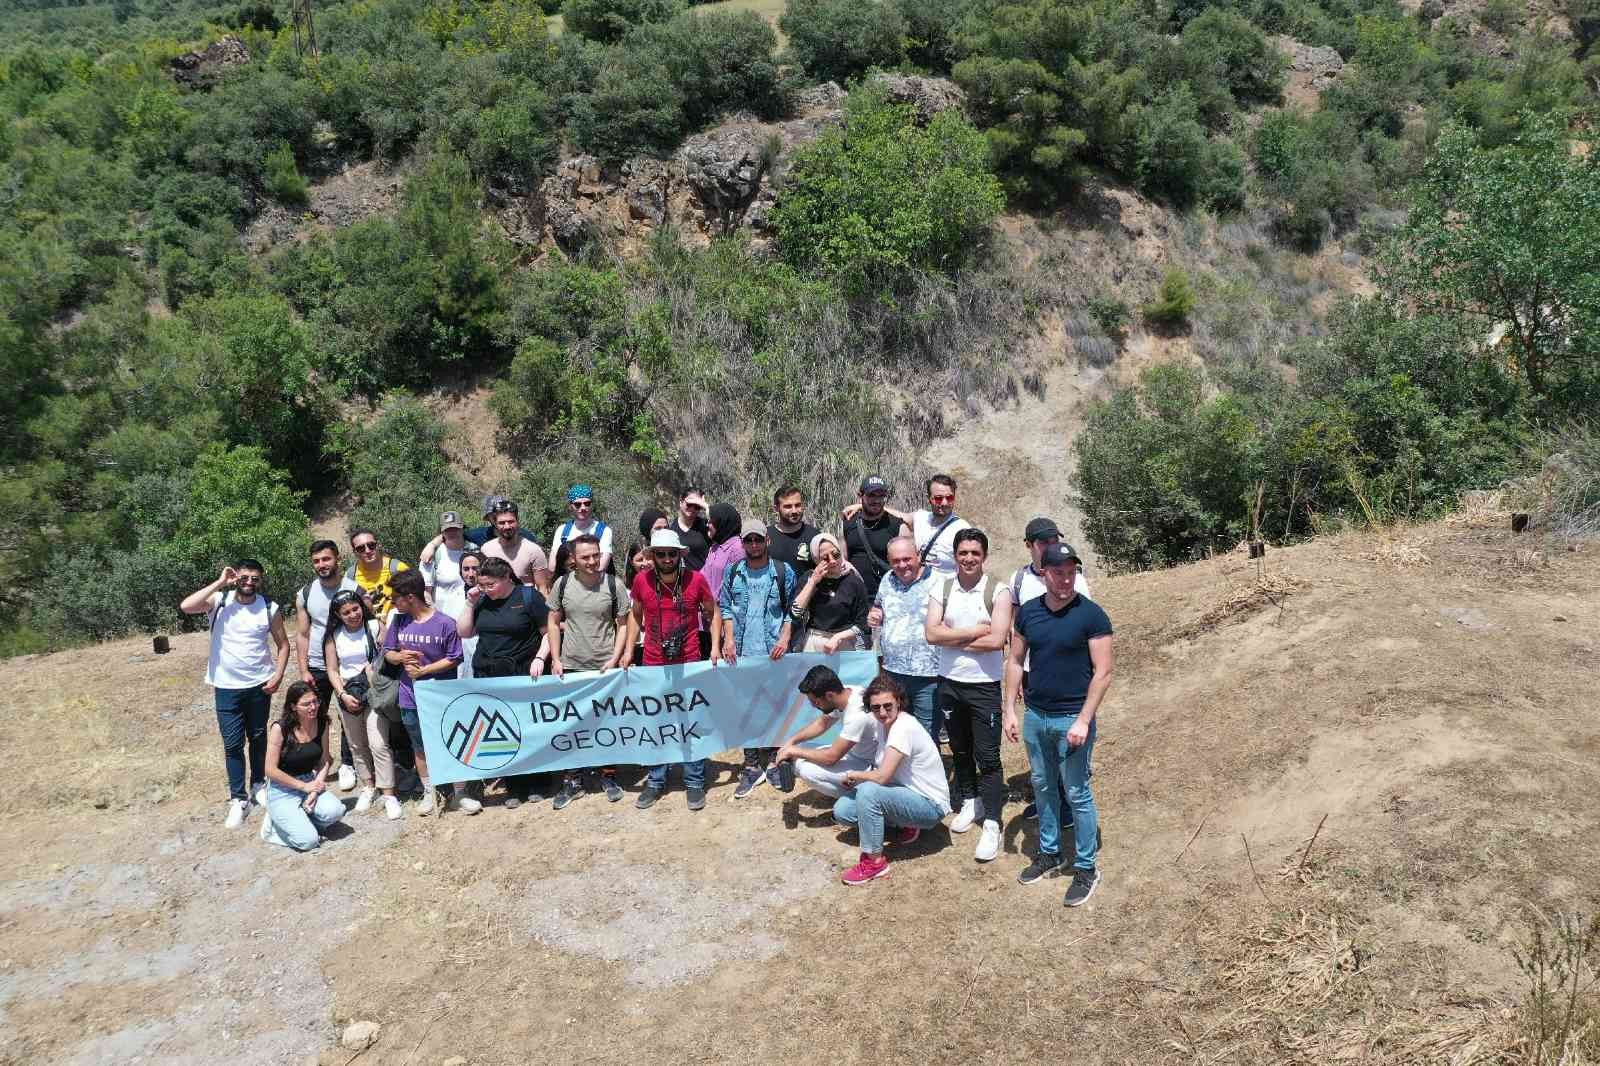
<point>375,582</point>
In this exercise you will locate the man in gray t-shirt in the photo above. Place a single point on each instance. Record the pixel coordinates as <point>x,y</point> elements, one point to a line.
<point>587,631</point>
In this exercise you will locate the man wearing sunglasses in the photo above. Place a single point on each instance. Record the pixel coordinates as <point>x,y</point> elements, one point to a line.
<point>373,571</point>
<point>249,653</point>
<point>580,501</point>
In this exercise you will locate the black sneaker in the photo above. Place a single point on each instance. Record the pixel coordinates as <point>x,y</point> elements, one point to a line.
<point>1030,813</point>
<point>570,790</point>
<point>786,775</point>
<point>697,798</point>
<point>749,778</point>
<point>1083,885</point>
<point>613,790</point>
<point>647,798</point>
<point>1041,867</point>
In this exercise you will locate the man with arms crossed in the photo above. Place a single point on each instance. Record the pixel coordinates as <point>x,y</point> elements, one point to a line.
<point>586,631</point>
<point>1068,637</point>
<point>900,614</point>
<point>249,651</point>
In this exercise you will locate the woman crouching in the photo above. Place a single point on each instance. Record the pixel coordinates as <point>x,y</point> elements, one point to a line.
<point>907,788</point>
<point>299,805</point>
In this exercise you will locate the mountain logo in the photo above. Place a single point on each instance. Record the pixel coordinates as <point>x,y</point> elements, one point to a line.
<point>481,731</point>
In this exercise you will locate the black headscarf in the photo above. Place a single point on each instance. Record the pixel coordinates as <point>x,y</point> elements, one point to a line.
<point>726,519</point>
<point>648,519</point>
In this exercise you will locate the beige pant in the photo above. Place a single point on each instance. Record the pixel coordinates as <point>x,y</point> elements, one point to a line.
<point>815,637</point>
<point>369,743</point>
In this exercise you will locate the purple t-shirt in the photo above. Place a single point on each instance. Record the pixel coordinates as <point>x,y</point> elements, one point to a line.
<point>436,639</point>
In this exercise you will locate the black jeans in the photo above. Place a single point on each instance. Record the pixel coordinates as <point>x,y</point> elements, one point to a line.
<point>972,715</point>
<point>519,785</point>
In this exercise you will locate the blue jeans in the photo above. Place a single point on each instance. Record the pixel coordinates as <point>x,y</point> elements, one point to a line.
<point>922,696</point>
<point>292,825</point>
<point>1052,762</point>
<point>873,807</point>
<point>694,775</point>
<point>242,718</point>
<point>413,724</point>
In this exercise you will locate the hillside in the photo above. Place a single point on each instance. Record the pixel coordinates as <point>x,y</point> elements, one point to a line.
<point>1423,694</point>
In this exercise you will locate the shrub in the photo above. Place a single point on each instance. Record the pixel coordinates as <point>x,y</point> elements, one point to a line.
<point>1253,68</point>
<point>1113,315</point>
<point>531,400</point>
<point>397,462</point>
<point>609,20</point>
<point>282,180</point>
<point>719,60</point>
<point>880,196</point>
<point>1175,161</point>
<point>621,486</point>
<point>839,40</point>
<point>1173,302</point>
<point>634,106</point>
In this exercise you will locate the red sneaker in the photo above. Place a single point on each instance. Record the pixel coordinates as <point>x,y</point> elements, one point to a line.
<point>869,868</point>
<point>906,834</point>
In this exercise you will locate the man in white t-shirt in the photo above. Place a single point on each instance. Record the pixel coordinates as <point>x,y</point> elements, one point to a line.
<point>311,605</point>
<point>249,653</point>
<point>854,749</point>
<point>969,619</point>
<point>580,501</point>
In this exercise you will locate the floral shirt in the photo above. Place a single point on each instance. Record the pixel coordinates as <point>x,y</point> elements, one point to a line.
<point>902,638</point>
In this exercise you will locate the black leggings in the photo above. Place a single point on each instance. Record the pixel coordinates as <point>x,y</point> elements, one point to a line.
<point>972,715</point>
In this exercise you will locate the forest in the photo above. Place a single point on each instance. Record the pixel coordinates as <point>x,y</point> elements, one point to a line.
<point>170,398</point>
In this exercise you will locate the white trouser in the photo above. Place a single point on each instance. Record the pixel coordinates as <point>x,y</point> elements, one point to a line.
<point>829,780</point>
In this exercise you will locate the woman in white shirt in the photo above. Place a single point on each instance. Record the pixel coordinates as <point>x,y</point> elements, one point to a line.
<point>907,788</point>
<point>353,643</point>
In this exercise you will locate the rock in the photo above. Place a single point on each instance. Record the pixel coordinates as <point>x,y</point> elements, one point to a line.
<point>1320,61</point>
<point>201,69</point>
<point>928,96</point>
<point>455,1060</point>
<point>827,95</point>
<point>358,1036</point>
<point>723,167</point>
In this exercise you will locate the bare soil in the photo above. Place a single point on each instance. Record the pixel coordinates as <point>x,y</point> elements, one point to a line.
<point>1427,695</point>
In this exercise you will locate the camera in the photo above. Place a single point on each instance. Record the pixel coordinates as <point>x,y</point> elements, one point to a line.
<point>672,647</point>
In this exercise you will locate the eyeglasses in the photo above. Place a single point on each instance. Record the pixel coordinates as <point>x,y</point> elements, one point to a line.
<point>665,553</point>
<point>369,546</point>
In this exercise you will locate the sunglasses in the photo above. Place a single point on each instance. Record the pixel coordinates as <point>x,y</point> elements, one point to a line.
<point>244,580</point>
<point>882,706</point>
<point>665,553</point>
<point>369,546</point>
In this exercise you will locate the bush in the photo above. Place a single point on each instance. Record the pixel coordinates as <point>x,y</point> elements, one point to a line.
<point>609,20</point>
<point>1113,315</point>
<point>880,196</point>
<point>622,489</point>
<point>531,400</point>
<point>719,60</point>
<point>281,180</point>
<point>634,106</point>
<point>397,462</point>
<point>1175,161</point>
<point>840,40</point>
<point>1253,68</point>
<point>1174,301</point>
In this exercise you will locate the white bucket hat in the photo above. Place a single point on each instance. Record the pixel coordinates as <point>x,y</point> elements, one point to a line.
<point>665,538</point>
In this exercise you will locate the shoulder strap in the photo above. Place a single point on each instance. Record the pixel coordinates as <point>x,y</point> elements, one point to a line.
<point>599,529</point>
<point>527,596</point>
<point>611,587</point>
<point>878,564</point>
<point>1016,587</point>
<point>986,585</point>
<point>305,597</point>
<point>372,645</point>
<point>392,567</point>
<point>781,573</point>
<point>566,533</point>
<point>561,593</point>
<point>928,547</point>
<point>350,574</point>
<point>988,596</point>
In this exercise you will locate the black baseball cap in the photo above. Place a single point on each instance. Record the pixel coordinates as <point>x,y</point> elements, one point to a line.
<point>872,484</point>
<point>1040,528</point>
<point>1057,554</point>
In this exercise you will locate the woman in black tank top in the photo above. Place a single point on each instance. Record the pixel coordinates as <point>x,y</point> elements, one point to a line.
<point>299,805</point>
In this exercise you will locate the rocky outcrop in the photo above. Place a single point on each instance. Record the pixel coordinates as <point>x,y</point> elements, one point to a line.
<point>1321,63</point>
<point>202,69</point>
<point>716,182</point>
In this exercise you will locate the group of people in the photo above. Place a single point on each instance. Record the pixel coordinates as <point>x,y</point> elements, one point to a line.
<point>965,658</point>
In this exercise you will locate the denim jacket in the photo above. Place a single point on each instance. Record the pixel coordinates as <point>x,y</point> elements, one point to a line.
<point>734,600</point>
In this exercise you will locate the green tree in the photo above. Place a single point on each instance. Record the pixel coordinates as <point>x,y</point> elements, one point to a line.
<point>1510,237</point>
<point>840,40</point>
<point>608,20</point>
<point>881,196</point>
<point>398,463</point>
<point>282,180</point>
<point>1174,301</point>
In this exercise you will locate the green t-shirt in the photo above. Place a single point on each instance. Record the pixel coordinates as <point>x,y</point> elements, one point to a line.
<point>589,623</point>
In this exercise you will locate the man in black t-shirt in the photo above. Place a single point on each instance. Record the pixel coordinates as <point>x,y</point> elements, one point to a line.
<point>509,621</point>
<point>867,535</point>
<point>789,537</point>
<point>692,528</point>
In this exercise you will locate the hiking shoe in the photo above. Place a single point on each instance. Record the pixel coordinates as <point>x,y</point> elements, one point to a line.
<point>781,775</point>
<point>988,842</point>
<point>347,777</point>
<point>237,809</point>
<point>427,804</point>
<point>971,810</point>
<point>647,798</point>
<point>613,790</point>
<point>512,803</point>
<point>870,868</point>
<point>906,834</point>
<point>1041,867</point>
<point>570,790</point>
<point>391,808</point>
<point>1083,885</point>
<point>697,798</point>
<point>364,800</point>
<point>1030,813</point>
<point>465,804</point>
<point>750,778</point>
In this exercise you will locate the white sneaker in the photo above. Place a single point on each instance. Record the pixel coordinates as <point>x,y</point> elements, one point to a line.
<point>465,804</point>
<point>989,842</point>
<point>364,800</point>
<point>266,826</point>
<point>969,812</point>
<point>391,807</point>
<point>347,778</point>
<point>427,805</point>
<point>260,797</point>
<point>237,809</point>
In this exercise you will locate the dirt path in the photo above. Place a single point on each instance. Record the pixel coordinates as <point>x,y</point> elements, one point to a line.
<point>1440,714</point>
